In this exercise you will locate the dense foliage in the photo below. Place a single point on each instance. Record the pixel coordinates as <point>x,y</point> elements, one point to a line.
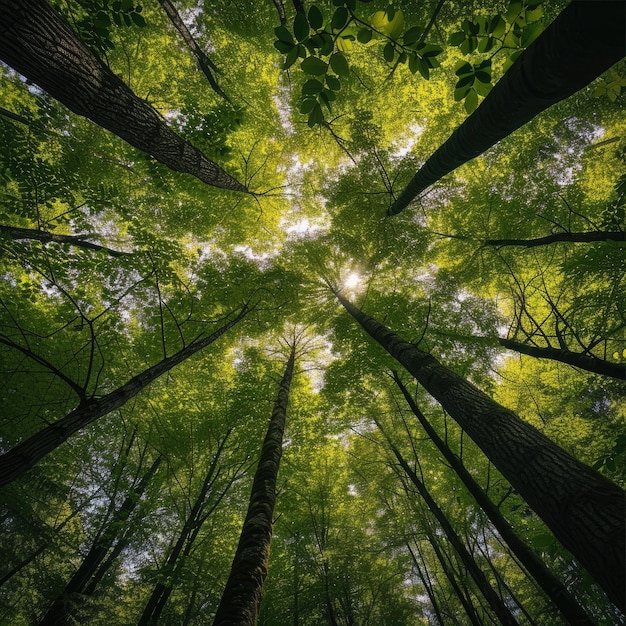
<point>510,271</point>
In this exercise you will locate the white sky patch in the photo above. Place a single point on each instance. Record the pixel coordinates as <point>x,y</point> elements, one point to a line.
<point>352,281</point>
<point>284,110</point>
<point>404,146</point>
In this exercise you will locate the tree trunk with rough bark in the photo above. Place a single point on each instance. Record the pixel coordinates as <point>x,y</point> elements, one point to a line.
<point>18,460</point>
<point>38,43</point>
<point>566,237</point>
<point>584,510</point>
<point>551,585</point>
<point>585,40</point>
<point>59,613</point>
<point>244,589</point>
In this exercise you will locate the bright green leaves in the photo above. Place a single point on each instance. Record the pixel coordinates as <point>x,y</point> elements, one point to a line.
<point>474,80</point>
<point>611,86</point>
<point>100,18</point>
<point>515,30</point>
<point>322,41</point>
<point>314,66</point>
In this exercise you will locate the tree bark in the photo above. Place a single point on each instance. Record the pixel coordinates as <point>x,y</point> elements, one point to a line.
<point>45,237</point>
<point>584,237</point>
<point>40,45</point>
<point>205,63</point>
<point>584,510</point>
<point>242,595</point>
<point>18,460</point>
<point>586,362</point>
<point>553,587</point>
<point>59,613</point>
<point>493,599</point>
<point>584,41</point>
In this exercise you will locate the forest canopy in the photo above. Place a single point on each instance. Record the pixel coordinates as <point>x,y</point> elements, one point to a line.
<point>312,312</point>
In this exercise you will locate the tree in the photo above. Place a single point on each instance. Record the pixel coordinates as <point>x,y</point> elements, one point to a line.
<point>555,589</point>
<point>242,595</point>
<point>18,460</point>
<point>40,45</point>
<point>107,545</point>
<point>574,50</point>
<point>545,475</point>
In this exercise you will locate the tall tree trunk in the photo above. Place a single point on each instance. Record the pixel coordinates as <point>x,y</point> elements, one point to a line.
<point>59,613</point>
<point>583,509</point>
<point>40,45</point>
<point>427,584</point>
<point>163,589</point>
<point>546,580</point>
<point>585,40</point>
<point>242,595</point>
<point>18,460</point>
<point>79,241</point>
<point>493,599</point>
<point>205,63</point>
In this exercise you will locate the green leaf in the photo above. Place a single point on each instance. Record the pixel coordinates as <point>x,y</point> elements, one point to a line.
<point>461,92</point>
<point>364,35</point>
<point>102,19</point>
<point>339,64</point>
<point>138,19</point>
<point>486,44</point>
<point>314,65</point>
<point>483,77</point>
<point>340,17</point>
<point>300,27</point>
<point>422,66</point>
<point>515,8</point>
<point>530,33</point>
<point>283,34</point>
<point>312,87</point>
<point>469,45</point>
<point>316,19</point>
<point>388,52</point>
<point>307,106</point>
<point>463,67</point>
<point>283,46</point>
<point>456,39</point>
<point>482,89</point>
<point>333,82</point>
<point>497,26</point>
<point>471,101</point>
<point>291,58</point>
<point>543,540</point>
<point>316,116</point>
<point>464,81</point>
<point>412,35</point>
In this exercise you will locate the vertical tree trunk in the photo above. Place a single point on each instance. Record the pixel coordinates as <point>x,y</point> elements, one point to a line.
<point>493,599</point>
<point>17,461</point>
<point>585,40</point>
<point>163,589</point>
<point>546,580</point>
<point>41,46</point>
<point>583,509</point>
<point>242,595</point>
<point>59,613</point>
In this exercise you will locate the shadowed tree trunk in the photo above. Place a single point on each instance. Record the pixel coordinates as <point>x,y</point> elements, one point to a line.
<point>242,595</point>
<point>18,460</point>
<point>40,45</point>
<point>493,599</point>
<point>79,241</point>
<point>584,510</point>
<point>546,580</point>
<point>205,63</point>
<point>200,511</point>
<point>427,584</point>
<point>59,613</point>
<point>568,237</point>
<point>585,40</point>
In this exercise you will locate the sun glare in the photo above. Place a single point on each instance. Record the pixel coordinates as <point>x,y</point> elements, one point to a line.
<point>352,281</point>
